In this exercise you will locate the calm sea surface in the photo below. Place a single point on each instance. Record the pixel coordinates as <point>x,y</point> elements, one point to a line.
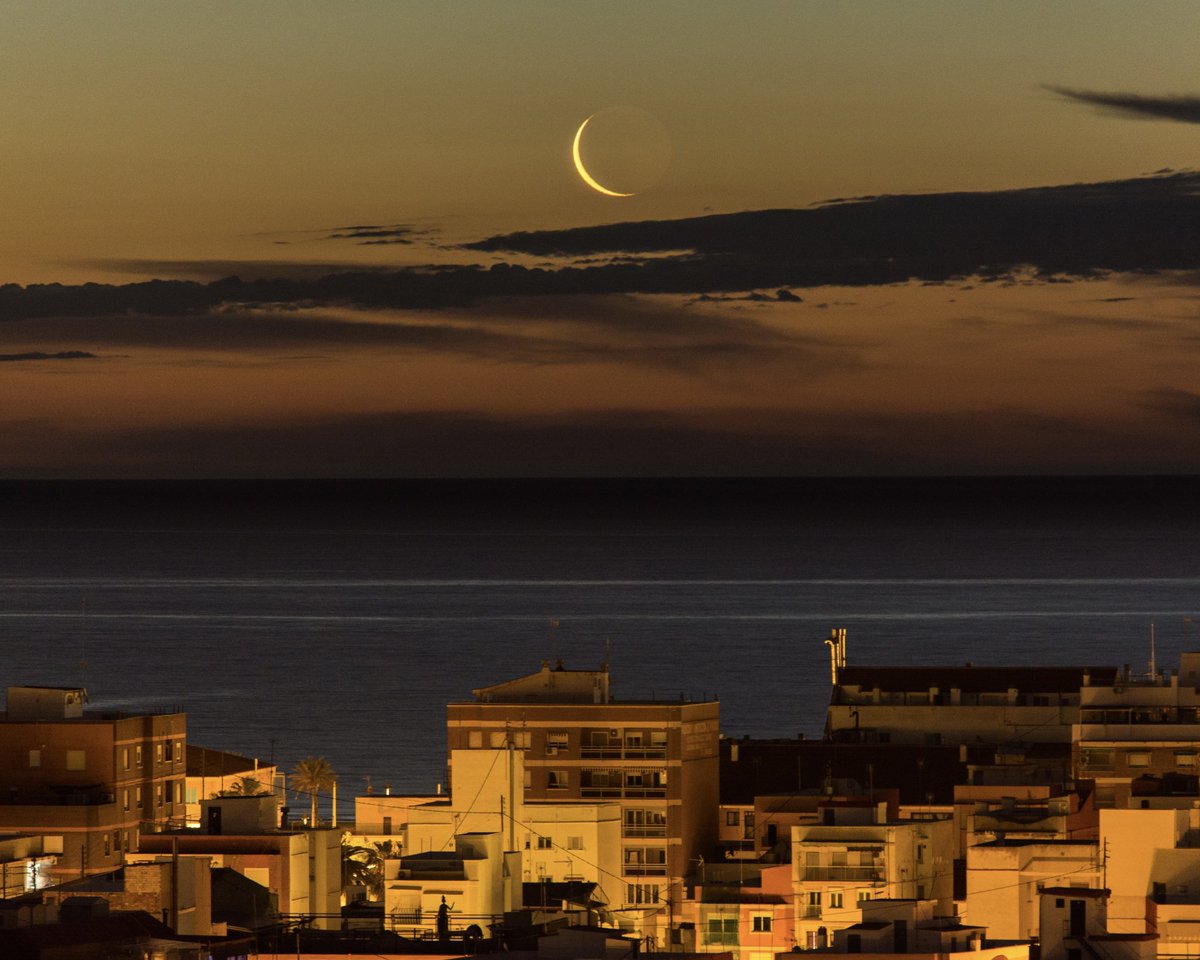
<point>348,641</point>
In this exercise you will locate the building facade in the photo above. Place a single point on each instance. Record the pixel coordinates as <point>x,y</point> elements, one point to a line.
<point>98,780</point>
<point>657,760</point>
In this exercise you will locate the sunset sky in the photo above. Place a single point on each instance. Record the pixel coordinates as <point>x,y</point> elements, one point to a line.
<point>1009,281</point>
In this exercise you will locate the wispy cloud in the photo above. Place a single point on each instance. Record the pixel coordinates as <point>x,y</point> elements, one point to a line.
<point>37,355</point>
<point>1180,108</point>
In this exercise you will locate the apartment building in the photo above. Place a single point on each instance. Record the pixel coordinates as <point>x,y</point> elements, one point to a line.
<point>98,780</point>
<point>657,760</point>
<point>860,851</point>
<point>1136,727</point>
<point>967,704</point>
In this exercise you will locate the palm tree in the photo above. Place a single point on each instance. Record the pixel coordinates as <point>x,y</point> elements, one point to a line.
<point>314,776</point>
<point>244,787</point>
<point>363,866</point>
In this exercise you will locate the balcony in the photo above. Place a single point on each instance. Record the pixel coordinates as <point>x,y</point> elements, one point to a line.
<point>659,830</point>
<point>872,874</point>
<point>617,752</point>
<point>645,870</point>
<point>616,792</point>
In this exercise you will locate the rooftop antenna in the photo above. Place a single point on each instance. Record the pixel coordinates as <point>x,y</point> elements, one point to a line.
<point>1153,661</point>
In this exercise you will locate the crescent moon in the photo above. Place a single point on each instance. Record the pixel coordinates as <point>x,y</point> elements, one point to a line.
<point>582,170</point>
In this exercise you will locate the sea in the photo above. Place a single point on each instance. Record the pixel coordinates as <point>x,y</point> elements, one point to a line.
<point>338,618</point>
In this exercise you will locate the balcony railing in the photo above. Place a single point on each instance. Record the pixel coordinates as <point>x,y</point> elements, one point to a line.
<point>872,874</point>
<point>811,912</point>
<point>645,870</point>
<point>655,831</point>
<point>616,752</point>
<point>632,792</point>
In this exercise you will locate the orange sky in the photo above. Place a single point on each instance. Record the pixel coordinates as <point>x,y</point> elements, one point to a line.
<point>211,138</point>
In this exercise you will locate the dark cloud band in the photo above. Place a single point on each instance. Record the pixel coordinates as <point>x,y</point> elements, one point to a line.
<point>1182,109</point>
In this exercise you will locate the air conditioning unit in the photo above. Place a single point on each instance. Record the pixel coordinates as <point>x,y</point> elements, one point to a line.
<point>552,751</point>
<point>614,734</point>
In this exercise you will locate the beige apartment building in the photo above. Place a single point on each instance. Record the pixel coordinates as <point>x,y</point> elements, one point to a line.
<point>658,761</point>
<point>958,705</point>
<point>98,780</point>
<point>1139,726</point>
<point>859,851</point>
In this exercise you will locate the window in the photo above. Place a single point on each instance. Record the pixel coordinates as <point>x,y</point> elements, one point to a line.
<point>107,845</point>
<point>545,843</point>
<point>863,895</point>
<point>158,753</point>
<point>137,796</point>
<point>35,758</point>
<point>633,739</point>
<point>474,739</point>
<point>76,760</point>
<point>179,752</point>
<point>192,795</point>
<point>137,755</point>
<point>599,778</point>
<point>722,931</point>
<point>1137,759</point>
<point>179,791</point>
<point>1185,758</point>
<point>761,923</point>
<point>732,818</point>
<point>835,899</point>
<point>126,798</point>
<point>920,853</point>
<point>556,779</point>
<point>640,893</point>
<point>528,778</point>
<point>555,742</point>
<point>748,826</point>
<point>169,751</point>
<point>496,739</point>
<point>574,843</point>
<point>125,758</point>
<point>158,796</point>
<point>387,826</point>
<point>522,739</point>
<point>658,739</point>
<point>116,839</point>
<point>633,779</point>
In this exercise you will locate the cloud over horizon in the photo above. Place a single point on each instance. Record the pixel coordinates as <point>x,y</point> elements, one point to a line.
<point>1180,108</point>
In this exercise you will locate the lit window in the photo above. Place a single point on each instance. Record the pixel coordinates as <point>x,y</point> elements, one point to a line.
<point>1185,758</point>
<point>179,747</point>
<point>125,758</point>
<point>474,739</point>
<point>107,846</point>
<point>158,753</point>
<point>658,738</point>
<point>1137,759</point>
<point>35,758</point>
<point>76,760</point>
<point>126,798</point>
<point>137,796</point>
<point>496,739</point>
<point>138,754</point>
<point>158,795</point>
